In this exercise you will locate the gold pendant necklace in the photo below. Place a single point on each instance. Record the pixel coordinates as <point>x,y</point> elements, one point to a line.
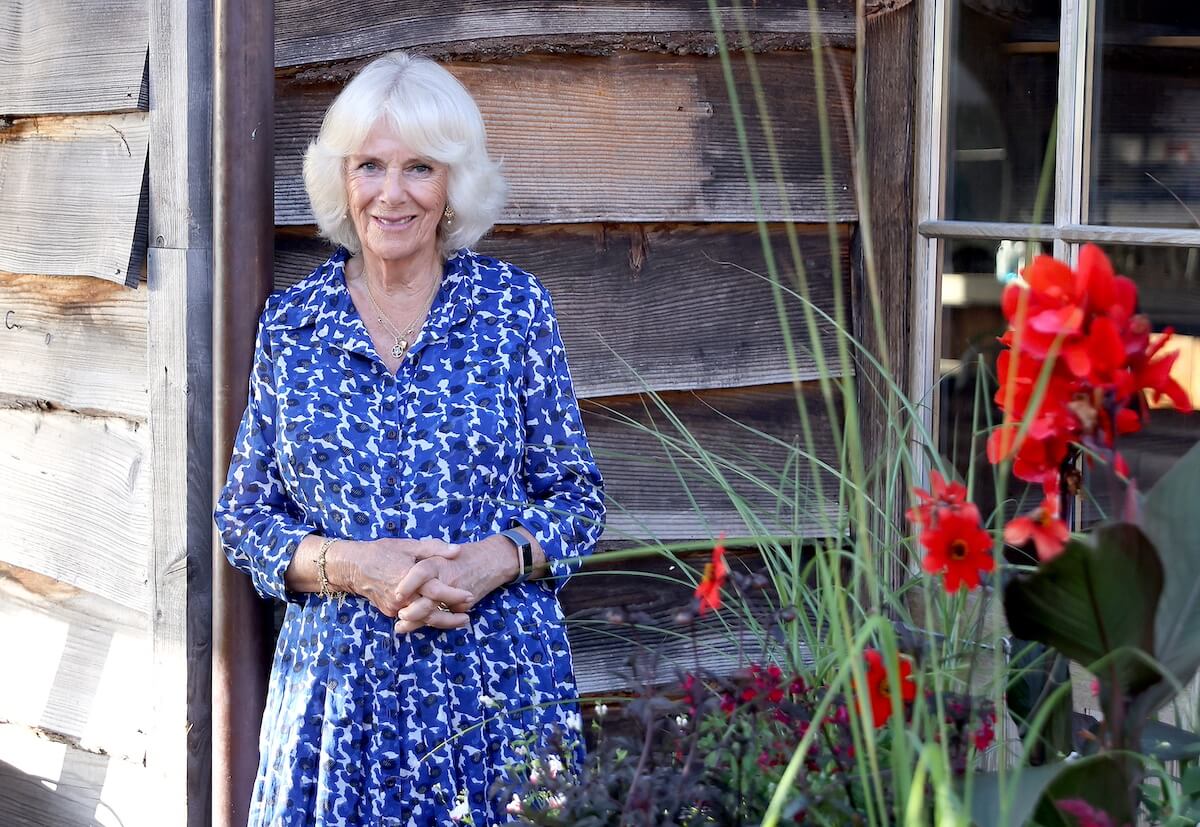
<point>403,339</point>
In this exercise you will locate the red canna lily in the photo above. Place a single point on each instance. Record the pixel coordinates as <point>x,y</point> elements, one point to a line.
<point>879,690</point>
<point>958,548</point>
<point>715,573</point>
<point>945,495</point>
<point>1048,533</point>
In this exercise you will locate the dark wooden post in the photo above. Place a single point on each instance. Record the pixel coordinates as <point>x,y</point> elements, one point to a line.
<point>244,81</point>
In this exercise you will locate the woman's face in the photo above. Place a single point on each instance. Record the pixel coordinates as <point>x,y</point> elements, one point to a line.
<point>395,197</point>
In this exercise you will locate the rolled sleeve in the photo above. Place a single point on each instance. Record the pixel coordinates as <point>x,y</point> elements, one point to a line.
<point>259,525</point>
<point>565,505</point>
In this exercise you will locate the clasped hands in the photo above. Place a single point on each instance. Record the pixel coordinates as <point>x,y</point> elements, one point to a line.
<point>412,580</point>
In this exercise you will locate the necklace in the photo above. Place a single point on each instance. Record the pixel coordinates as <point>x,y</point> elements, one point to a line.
<point>403,338</point>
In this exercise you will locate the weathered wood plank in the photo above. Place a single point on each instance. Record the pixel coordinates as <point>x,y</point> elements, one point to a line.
<point>658,307</point>
<point>76,343</point>
<point>90,222</point>
<point>309,31</point>
<point>658,486</point>
<point>74,501</point>
<point>72,56</point>
<point>630,137</point>
<point>180,319</point>
<point>47,783</point>
<point>647,594</point>
<point>882,279</point>
<point>82,660</point>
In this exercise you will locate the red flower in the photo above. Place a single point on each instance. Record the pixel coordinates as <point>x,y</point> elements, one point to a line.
<point>958,548</point>
<point>1048,533</point>
<point>715,573</point>
<point>879,689</point>
<point>945,495</point>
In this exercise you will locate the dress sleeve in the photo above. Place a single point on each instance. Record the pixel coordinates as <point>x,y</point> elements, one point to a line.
<point>565,509</point>
<point>259,524</point>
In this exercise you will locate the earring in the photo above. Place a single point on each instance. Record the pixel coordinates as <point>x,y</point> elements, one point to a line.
<point>448,214</point>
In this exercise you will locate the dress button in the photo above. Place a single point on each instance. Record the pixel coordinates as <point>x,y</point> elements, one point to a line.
<point>390,783</point>
<point>391,433</point>
<point>391,480</point>
<point>391,526</point>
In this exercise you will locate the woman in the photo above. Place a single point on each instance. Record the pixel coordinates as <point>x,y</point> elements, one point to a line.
<point>411,476</point>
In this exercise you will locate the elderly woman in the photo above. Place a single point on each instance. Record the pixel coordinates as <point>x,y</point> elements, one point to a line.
<point>411,476</point>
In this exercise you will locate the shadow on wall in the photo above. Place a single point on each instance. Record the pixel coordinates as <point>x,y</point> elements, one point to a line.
<point>71,801</point>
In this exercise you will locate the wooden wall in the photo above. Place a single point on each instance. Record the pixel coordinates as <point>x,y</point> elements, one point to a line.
<point>630,200</point>
<point>75,528</point>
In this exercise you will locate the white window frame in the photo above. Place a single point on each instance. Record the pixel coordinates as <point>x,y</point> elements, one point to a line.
<point>1067,232</point>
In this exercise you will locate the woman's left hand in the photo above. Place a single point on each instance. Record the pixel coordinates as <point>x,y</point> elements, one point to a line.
<point>479,569</point>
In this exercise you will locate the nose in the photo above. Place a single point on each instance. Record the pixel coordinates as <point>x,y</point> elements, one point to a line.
<point>394,191</point>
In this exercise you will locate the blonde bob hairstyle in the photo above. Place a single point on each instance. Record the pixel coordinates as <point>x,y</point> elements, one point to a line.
<point>436,117</point>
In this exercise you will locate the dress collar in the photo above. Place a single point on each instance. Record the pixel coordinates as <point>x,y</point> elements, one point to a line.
<point>327,304</point>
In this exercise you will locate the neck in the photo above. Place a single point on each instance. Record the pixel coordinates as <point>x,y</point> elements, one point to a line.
<point>400,278</point>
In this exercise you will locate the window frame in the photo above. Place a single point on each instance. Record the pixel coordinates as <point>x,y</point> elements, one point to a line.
<point>1069,229</point>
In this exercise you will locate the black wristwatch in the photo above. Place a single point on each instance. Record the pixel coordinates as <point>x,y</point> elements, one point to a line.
<point>524,555</point>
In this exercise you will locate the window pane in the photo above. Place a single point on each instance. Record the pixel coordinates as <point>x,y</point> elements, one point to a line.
<point>973,277</point>
<point>1003,86</point>
<point>1168,280</point>
<point>1146,114</point>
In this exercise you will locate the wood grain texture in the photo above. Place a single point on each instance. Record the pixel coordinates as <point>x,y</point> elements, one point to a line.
<point>47,783</point>
<point>72,56</point>
<point>180,321</point>
<point>628,137</point>
<point>641,643</point>
<point>883,293</point>
<point>74,343</point>
<point>659,486</point>
<point>657,307</point>
<point>309,31</point>
<point>82,660</point>
<point>74,501</point>
<point>72,196</point>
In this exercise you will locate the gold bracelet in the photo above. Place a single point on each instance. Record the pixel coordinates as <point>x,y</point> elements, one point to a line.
<point>322,576</point>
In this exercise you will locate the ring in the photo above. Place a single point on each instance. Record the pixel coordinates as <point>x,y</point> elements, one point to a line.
<point>442,607</point>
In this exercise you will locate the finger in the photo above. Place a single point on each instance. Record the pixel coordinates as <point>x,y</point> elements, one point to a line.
<point>437,620</point>
<point>414,580</point>
<point>417,611</point>
<point>436,548</point>
<point>438,591</point>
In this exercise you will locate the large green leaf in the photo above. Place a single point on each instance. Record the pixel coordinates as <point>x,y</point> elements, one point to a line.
<point>1023,789</point>
<point>1094,600</point>
<point>1171,520</point>
<point>1103,781</point>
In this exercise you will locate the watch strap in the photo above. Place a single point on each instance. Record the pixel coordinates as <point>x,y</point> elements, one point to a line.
<point>524,555</point>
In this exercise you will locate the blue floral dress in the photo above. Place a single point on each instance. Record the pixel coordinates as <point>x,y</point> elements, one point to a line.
<point>477,431</point>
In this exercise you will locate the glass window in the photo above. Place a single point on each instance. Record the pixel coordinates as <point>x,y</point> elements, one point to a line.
<point>1145,155</point>
<point>1003,86</point>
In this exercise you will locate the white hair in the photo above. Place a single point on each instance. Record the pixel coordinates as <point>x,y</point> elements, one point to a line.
<point>436,117</point>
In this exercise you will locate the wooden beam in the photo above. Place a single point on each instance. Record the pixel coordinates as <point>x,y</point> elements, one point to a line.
<point>86,479</point>
<point>882,279</point>
<point>73,56</point>
<point>74,343</point>
<point>103,232</point>
<point>313,32</point>
<point>630,137</point>
<point>658,486</point>
<point>179,276</point>
<point>47,783</point>
<point>81,659</point>
<point>658,306</point>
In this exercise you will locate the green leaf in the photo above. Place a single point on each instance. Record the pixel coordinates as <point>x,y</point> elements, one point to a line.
<point>1169,519</point>
<point>1034,672</point>
<point>1103,781</point>
<point>1169,743</point>
<point>1093,601</point>
<point>987,795</point>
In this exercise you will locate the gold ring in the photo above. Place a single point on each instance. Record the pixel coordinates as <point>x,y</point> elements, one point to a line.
<point>442,607</point>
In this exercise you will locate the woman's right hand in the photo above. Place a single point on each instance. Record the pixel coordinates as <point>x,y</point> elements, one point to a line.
<point>374,569</point>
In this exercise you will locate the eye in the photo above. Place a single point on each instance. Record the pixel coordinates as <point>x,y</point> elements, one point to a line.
<point>368,165</point>
<point>421,168</point>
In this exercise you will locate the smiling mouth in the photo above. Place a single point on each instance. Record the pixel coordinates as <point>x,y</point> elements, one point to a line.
<point>394,223</point>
